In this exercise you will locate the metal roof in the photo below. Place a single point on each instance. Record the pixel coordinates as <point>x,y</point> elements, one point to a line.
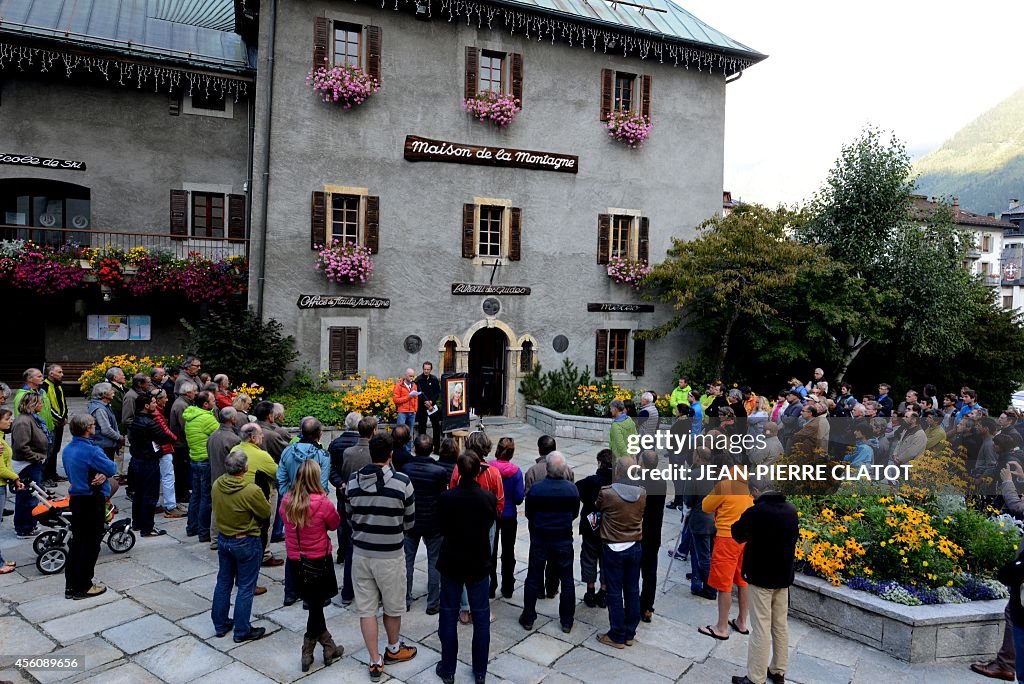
<point>183,30</point>
<point>673,23</point>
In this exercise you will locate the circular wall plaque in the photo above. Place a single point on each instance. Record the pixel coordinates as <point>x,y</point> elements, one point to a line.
<point>413,344</point>
<point>560,343</point>
<point>491,306</point>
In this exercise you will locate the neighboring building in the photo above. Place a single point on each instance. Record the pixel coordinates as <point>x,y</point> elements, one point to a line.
<point>728,203</point>
<point>486,269</point>
<point>124,124</point>
<point>1011,263</point>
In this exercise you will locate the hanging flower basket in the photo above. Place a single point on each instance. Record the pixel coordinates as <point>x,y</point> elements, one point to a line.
<point>629,129</point>
<point>345,263</point>
<point>628,272</point>
<point>499,109</point>
<point>348,85</point>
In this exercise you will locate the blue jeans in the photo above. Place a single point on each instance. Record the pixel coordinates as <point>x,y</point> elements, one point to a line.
<point>451,593</point>
<point>25,500</point>
<point>622,574</point>
<point>239,564</point>
<point>167,481</point>
<point>200,505</point>
<point>407,419</point>
<point>559,553</point>
<point>700,561</point>
<point>277,531</point>
<point>412,545</point>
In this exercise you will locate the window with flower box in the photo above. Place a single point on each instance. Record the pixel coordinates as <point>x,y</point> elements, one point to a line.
<point>342,43</point>
<point>492,230</point>
<point>625,93</point>
<point>612,352</point>
<point>490,71</point>
<point>207,212</point>
<point>623,233</point>
<point>346,214</point>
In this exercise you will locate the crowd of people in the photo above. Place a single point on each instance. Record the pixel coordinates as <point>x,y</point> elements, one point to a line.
<point>243,481</point>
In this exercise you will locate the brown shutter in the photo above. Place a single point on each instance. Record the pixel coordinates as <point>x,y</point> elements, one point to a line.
<point>236,217</point>
<point>174,103</point>
<point>350,356</point>
<point>373,47</point>
<point>639,356</point>
<point>604,229</point>
<point>318,220</point>
<point>601,358</point>
<point>468,231</point>
<point>371,223</point>
<point>472,70</point>
<point>179,213</point>
<point>517,77</point>
<point>643,248</point>
<point>321,40</point>
<point>515,234</point>
<point>645,95</point>
<point>607,93</point>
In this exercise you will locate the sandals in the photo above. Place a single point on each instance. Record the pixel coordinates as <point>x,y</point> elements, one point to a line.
<point>7,567</point>
<point>732,623</point>
<point>707,630</point>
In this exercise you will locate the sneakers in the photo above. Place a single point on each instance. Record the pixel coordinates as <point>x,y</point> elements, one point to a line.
<point>590,599</point>
<point>607,641</point>
<point>403,654</point>
<point>159,509</point>
<point>94,590</point>
<point>175,513</point>
<point>376,670</point>
<point>30,534</point>
<point>672,553</point>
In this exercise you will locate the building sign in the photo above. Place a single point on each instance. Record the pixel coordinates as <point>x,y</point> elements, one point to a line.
<point>424,149</point>
<point>474,289</point>
<point>1011,271</point>
<point>332,302</point>
<point>620,308</point>
<point>29,160</point>
<point>118,327</point>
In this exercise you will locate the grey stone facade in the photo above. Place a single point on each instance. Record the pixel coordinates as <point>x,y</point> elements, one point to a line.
<point>674,179</point>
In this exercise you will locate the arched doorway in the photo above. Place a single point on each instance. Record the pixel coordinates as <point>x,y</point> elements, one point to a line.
<point>487,366</point>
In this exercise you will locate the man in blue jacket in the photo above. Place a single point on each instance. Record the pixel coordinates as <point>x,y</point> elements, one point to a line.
<point>88,469</point>
<point>429,481</point>
<point>551,506</point>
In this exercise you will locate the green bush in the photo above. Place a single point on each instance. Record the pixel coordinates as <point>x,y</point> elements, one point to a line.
<point>323,405</point>
<point>555,390</point>
<point>988,544</point>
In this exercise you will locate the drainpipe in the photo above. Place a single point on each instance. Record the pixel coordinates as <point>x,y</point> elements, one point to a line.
<point>265,200</point>
<point>737,76</point>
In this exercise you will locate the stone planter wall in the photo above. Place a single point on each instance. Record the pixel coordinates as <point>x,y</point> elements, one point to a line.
<point>916,634</point>
<point>572,427</point>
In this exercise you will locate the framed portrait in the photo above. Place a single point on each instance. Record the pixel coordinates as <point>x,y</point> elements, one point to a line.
<point>456,396</point>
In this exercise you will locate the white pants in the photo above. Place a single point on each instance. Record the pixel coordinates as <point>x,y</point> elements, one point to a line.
<point>167,481</point>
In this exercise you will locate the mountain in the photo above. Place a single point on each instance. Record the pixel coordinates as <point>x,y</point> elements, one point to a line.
<point>983,163</point>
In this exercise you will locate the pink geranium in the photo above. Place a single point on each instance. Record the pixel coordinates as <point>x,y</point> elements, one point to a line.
<point>628,128</point>
<point>345,262</point>
<point>628,272</point>
<point>497,108</point>
<point>348,85</point>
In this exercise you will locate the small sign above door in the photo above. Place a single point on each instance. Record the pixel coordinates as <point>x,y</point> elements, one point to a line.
<point>474,289</point>
<point>45,162</point>
<point>333,302</point>
<point>620,308</point>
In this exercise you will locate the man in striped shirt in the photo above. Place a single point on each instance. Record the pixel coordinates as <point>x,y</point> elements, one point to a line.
<point>381,506</point>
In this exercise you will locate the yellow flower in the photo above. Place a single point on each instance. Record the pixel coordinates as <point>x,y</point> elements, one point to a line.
<point>924,564</point>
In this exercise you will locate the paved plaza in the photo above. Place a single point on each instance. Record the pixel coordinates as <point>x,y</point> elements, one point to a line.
<point>153,625</point>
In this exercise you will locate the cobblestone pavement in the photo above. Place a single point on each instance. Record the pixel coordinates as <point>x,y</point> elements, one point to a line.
<point>154,624</point>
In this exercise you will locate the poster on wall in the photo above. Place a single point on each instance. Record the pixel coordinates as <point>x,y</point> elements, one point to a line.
<point>107,327</point>
<point>455,388</point>
<point>140,328</point>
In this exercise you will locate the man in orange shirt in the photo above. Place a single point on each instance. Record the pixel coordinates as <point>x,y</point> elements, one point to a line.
<point>406,397</point>
<point>727,502</point>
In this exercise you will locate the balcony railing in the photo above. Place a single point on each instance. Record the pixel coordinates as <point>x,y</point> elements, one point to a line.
<point>179,245</point>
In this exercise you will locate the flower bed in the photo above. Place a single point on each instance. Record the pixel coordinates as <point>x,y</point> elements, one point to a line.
<point>369,395</point>
<point>348,85</point>
<point>498,108</point>
<point>345,263</point>
<point>629,129</point>
<point>129,364</point>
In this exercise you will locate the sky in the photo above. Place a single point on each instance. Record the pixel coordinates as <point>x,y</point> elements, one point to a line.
<point>919,69</point>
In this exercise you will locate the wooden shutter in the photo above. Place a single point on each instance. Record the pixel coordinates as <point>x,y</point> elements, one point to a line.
<point>645,96</point>
<point>371,223</point>
<point>174,103</point>
<point>472,70</point>
<point>373,47</point>
<point>601,358</point>
<point>236,217</point>
<point>343,350</point>
<point>517,76</point>
<point>604,229</point>
<point>179,213</point>
<point>643,247</point>
<point>468,231</point>
<point>515,234</point>
<point>639,356</point>
<point>321,41</point>
<point>318,220</point>
<point>607,93</point>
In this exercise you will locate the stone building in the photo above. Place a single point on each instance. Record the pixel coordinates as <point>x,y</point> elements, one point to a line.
<point>489,243</point>
<point>123,124</point>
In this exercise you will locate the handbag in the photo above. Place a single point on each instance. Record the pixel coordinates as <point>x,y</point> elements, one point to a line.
<point>312,571</point>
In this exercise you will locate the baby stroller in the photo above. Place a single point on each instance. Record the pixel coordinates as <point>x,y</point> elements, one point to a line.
<point>51,547</point>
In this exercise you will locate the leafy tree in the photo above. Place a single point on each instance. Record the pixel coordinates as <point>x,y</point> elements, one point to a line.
<point>237,342</point>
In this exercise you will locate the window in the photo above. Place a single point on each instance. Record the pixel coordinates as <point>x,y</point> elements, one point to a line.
<point>983,268</point>
<point>448,362</point>
<point>207,214</point>
<point>344,218</point>
<point>618,342</point>
<point>620,242</point>
<point>625,85</point>
<point>623,233</point>
<point>210,101</point>
<point>526,357</point>
<point>43,204</point>
<point>492,71</point>
<point>1007,301</point>
<point>344,351</point>
<point>489,240</point>
<point>347,44</point>
<point>986,242</point>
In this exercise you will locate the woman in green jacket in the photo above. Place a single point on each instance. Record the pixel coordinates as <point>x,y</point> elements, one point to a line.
<point>7,476</point>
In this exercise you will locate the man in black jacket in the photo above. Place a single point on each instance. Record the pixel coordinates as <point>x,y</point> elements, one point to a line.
<point>348,438</point>
<point>430,388</point>
<point>429,481</point>
<point>590,550</point>
<point>770,529</point>
<point>144,438</point>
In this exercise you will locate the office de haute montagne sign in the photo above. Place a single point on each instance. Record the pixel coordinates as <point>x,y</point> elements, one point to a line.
<point>419,149</point>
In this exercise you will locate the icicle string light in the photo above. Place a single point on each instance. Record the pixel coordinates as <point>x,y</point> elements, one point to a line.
<point>123,73</point>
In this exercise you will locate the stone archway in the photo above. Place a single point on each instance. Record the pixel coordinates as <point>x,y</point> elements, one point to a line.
<point>513,406</point>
